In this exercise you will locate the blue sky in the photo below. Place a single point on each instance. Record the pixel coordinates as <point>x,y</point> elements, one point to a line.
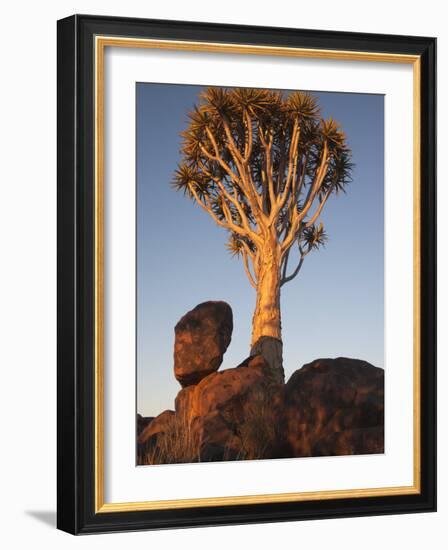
<point>335,307</point>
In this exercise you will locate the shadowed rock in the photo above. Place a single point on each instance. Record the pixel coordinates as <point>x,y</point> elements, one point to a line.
<point>201,339</point>
<point>142,422</point>
<point>335,407</point>
<point>157,426</point>
<point>352,442</point>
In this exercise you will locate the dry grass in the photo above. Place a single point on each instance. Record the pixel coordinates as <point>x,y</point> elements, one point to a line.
<point>259,431</point>
<point>255,434</point>
<point>178,444</point>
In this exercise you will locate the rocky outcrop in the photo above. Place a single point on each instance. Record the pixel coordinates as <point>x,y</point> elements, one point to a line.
<point>236,413</point>
<point>328,407</point>
<point>183,400</point>
<point>335,407</point>
<point>358,441</point>
<point>142,422</point>
<point>159,425</point>
<point>227,390</point>
<point>201,339</point>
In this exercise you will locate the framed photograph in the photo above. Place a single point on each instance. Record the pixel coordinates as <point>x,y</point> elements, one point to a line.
<point>246,274</point>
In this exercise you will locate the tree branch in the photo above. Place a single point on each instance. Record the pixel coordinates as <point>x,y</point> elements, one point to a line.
<point>233,148</point>
<point>208,208</point>
<point>292,167</point>
<point>247,269</point>
<point>249,144</point>
<point>298,180</point>
<point>239,180</point>
<point>217,157</point>
<point>285,264</point>
<point>269,174</point>
<point>285,279</point>
<point>313,218</point>
<point>248,250</point>
<point>233,200</point>
<point>314,188</point>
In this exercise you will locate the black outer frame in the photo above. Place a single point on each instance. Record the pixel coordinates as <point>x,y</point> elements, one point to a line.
<point>75,403</point>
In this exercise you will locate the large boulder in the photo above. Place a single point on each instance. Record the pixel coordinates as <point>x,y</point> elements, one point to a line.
<point>228,389</point>
<point>201,339</point>
<point>335,407</point>
<point>236,413</point>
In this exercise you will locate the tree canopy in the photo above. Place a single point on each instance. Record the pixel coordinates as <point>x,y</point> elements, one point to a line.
<point>263,164</point>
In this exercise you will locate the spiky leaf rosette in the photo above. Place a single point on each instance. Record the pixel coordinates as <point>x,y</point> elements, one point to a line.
<point>314,237</point>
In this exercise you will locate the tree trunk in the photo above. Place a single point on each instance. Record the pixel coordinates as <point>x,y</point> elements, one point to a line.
<point>266,324</point>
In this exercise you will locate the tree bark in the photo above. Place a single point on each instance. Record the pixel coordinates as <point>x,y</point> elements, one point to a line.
<point>266,324</point>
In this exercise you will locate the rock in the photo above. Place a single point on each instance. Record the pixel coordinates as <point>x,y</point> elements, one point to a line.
<point>201,339</point>
<point>328,407</point>
<point>256,362</point>
<point>159,425</point>
<point>352,442</point>
<point>236,413</point>
<point>216,437</point>
<point>228,388</point>
<point>183,400</point>
<point>335,407</point>
<point>142,422</point>
<point>149,440</point>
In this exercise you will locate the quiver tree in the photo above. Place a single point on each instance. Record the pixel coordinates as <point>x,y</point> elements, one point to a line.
<point>263,164</point>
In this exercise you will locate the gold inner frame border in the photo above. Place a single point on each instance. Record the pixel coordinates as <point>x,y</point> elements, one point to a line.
<point>100,44</point>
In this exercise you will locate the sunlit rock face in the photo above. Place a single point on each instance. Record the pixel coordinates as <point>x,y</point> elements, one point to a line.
<point>237,413</point>
<point>201,339</point>
<point>335,407</point>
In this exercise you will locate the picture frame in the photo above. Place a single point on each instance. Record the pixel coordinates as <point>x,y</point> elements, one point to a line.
<point>82,73</point>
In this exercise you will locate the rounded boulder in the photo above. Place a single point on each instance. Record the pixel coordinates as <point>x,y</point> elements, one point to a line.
<point>201,338</point>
